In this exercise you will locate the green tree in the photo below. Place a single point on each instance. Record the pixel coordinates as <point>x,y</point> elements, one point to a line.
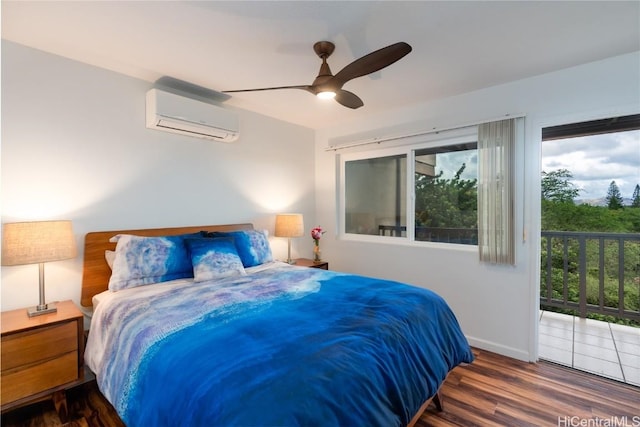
<point>635,203</point>
<point>614,198</point>
<point>569,217</point>
<point>557,187</point>
<point>602,255</point>
<point>446,203</point>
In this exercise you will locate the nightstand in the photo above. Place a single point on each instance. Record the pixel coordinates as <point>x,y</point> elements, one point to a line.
<point>305,262</point>
<point>41,356</point>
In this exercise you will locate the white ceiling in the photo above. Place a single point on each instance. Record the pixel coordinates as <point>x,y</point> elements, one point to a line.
<point>457,46</point>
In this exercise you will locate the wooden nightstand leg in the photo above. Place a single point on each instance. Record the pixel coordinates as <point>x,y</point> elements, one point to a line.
<point>60,403</point>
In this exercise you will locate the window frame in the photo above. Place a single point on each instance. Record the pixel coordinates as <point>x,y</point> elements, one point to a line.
<point>408,148</point>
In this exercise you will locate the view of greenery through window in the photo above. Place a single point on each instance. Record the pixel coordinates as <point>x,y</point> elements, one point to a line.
<point>591,187</point>
<point>446,194</point>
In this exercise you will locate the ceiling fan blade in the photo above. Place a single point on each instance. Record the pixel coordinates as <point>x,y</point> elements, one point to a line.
<point>367,64</point>
<point>348,99</point>
<point>371,63</point>
<point>303,87</point>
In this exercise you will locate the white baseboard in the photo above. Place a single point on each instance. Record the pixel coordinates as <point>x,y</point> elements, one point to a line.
<point>500,349</point>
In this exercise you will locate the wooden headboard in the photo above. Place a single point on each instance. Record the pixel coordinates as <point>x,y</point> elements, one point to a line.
<point>96,272</point>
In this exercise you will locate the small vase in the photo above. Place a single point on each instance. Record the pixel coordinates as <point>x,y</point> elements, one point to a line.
<point>317,254</point>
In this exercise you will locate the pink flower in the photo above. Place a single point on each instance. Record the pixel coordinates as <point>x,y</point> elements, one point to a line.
<point>316,233</point>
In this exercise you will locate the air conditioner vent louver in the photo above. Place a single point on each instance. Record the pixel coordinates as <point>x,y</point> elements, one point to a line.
<point>177,114</point>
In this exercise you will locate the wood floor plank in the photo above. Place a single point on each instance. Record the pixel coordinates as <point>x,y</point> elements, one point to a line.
<point>482,403</point>
<point>530,394</point>
<point>493,391</point>
<point>537,399</point>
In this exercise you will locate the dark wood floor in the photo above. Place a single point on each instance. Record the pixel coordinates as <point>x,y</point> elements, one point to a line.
<point>499,391</point>
<point>492,391</point>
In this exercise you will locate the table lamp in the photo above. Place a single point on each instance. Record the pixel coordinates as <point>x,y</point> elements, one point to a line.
<point>289,225</point>
<point>37,242</point>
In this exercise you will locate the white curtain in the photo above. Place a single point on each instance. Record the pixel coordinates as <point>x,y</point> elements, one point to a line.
<point>496,216</point>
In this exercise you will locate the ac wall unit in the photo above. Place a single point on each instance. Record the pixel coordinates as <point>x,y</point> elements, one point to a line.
<point>174,113</point>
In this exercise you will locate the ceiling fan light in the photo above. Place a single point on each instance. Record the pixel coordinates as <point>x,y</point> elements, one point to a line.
<point>327,94</point>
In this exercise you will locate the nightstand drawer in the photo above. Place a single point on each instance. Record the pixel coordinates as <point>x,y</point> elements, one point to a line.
<point>25,381</point>
<point>40,356</point>
<point>25,348</point>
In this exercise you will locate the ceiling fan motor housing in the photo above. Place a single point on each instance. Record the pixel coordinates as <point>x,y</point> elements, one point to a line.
<point>324,49</point>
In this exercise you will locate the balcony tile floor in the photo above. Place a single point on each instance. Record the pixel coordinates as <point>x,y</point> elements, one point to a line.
<point>602,348</point>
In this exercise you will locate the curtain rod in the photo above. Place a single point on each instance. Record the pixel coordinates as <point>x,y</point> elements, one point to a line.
<point>379,140</point>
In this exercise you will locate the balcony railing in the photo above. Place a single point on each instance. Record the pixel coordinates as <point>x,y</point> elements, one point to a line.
<point>465,236</point>
<point>584,272</point>
<point>591,273</point>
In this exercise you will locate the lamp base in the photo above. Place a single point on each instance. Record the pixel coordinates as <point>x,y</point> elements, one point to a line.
<point>41,309</point>
<point>291,261</point>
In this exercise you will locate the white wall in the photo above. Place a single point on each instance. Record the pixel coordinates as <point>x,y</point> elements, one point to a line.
<point>75,146</point>
<point>496,305</point>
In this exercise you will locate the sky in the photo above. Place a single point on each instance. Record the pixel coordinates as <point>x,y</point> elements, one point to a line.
<point>595,161</point>
<point>450,163</point>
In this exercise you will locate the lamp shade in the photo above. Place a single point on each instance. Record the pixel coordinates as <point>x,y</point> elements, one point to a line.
<point>289,225</point>
<point>37,242</point>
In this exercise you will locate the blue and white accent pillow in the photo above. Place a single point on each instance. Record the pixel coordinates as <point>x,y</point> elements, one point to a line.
<point>252,245</point>
<point>214,258</point>
<point>146,260</point>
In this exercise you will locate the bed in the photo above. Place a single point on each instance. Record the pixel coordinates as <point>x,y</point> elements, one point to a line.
<point>249,341</point>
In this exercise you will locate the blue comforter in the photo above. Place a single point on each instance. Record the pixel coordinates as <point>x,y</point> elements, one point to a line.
<point>281,347</point>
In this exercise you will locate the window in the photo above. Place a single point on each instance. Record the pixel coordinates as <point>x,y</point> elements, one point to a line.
<point>432,185</point>
<point>446,194</point>
<point>376,195</point>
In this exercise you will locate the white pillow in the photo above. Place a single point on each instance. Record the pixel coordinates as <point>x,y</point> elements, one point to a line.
<point>110,256</point>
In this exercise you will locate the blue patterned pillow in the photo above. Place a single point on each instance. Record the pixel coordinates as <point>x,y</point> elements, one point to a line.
<point>252,245</point>
<point>146,260</point>
<point>214,258</point>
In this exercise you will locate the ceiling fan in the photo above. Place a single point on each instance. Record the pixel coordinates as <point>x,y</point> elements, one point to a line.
<point>328,86</point>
